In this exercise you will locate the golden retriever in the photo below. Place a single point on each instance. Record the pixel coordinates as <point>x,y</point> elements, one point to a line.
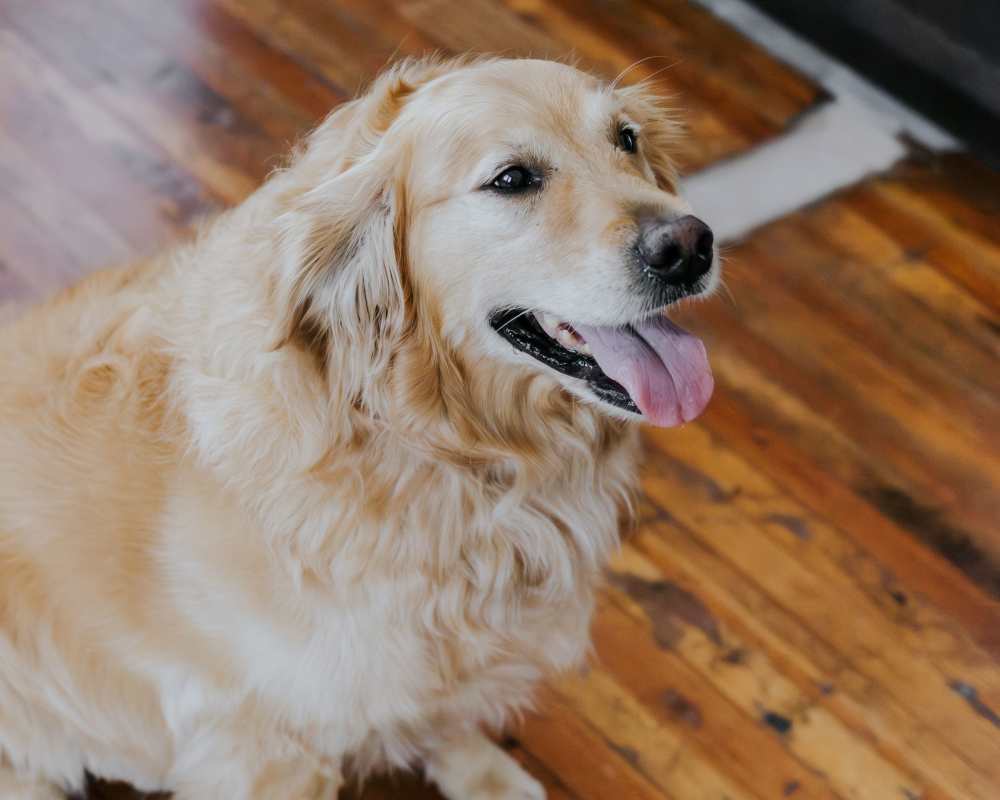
<point>330,488</point>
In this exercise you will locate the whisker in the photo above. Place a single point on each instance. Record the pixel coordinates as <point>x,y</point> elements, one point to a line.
<point>614,84</point>
<point>651,78</point>
<point>514,319</point>
<point>728,292</point>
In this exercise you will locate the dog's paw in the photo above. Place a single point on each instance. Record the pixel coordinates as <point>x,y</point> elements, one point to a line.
<point>479,770</point>
<point>15,787</point>
<point>510,783</point>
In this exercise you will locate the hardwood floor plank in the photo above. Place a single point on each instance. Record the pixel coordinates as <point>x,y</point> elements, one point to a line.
<point>583,758</point>
<point>347,56</point>
<point>777,91</point>
<point>327,35</point>
<point>730,489</point>
<point>868,448</point>
<point>968,259</point>
<point>288,73</point>
<point>766,655</point>
<point>729,506</point>
<point>601,48</point>
<point>871,449</point>
<point>67,143</point>
<point>480,25</point>
<point>754,684</point>
<point>58,211</point>
<point>732,94</point>
<point>810,604</point>
<point>943,323</point>
<point>34,263</point>
<point>909,427</point>
<point>209,43</point>
<point>744,746</point>
<point>747,100</point>
<point>664,756</point>
<point>554,787</point>
<point>778,450</point>
<point>150,91</point>
<point>13,290</point>
<point>892,396</point>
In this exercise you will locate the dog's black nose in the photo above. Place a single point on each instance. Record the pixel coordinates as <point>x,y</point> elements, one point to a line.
<point>677,250</point>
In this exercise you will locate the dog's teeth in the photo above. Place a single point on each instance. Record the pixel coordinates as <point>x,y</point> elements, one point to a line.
<point>562,332</point>
<point>567,338</point>
<point>549,324</point>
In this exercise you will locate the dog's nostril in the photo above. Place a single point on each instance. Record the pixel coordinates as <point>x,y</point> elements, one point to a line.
<point>672,257</point>
<point>703,249</point>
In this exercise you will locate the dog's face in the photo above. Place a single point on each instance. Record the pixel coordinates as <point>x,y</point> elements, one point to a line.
<point>543,225</point>
<point>545,222</point>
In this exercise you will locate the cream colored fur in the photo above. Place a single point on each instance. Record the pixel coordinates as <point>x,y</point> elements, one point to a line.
<point>279,504</point>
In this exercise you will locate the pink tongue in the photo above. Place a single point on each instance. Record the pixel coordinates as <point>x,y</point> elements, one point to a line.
<point>663,368</point>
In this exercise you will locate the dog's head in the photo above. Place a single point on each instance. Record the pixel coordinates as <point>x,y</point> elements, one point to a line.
<point>513,217</point>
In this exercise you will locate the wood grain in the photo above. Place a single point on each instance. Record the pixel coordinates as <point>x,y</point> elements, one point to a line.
<point>809,605</point>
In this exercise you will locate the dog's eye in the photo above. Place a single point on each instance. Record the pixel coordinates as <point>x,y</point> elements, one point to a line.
<point>627,139</point>
<point>514,179</point>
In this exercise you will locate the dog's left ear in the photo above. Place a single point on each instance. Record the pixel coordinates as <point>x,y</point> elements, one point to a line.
<point>342,231</point>
<point>342,276</point>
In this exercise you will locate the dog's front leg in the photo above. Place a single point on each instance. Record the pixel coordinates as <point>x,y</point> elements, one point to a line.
<point>471,767</point>
<point>254,769</point>
<point>280,781</point>
<point>14,786</point>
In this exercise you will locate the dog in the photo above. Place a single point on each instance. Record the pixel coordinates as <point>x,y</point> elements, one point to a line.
<point>329,488</point>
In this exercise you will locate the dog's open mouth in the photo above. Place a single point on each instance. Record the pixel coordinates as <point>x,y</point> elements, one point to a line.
<point>652,367</point>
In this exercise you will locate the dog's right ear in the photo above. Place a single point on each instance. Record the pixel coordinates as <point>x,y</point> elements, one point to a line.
<point>661,132</point>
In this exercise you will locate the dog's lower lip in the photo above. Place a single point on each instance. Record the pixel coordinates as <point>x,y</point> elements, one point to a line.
<point>525,333</point>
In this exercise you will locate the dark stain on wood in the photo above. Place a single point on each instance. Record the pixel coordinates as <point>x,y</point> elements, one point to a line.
<point>898,596</point>
<point>971,696</point>
<point>928,525</point>
<point>681,708</point>
<point>669,608</point>
<point>890,585</point>
<point>797,527</point>
<point>779,722</point>
<point>991,324</point>
<point>183,200</point>
<point>630,755</point>
<point>695,479</point>
<point>105,62</point>
<point>210,107</point>
<point>916,253</point>
<point>650,513</point>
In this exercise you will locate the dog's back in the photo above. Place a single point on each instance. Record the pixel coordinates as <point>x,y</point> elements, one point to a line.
<point>82,468</point>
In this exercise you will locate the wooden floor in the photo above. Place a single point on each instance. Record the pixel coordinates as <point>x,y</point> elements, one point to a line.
<point>810,604</point>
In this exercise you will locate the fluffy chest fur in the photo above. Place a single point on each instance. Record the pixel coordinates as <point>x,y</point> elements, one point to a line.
<point>401,591</point>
